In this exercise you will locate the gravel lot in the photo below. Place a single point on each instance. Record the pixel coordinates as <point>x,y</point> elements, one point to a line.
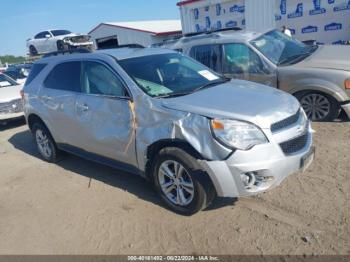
<point>79,207</point>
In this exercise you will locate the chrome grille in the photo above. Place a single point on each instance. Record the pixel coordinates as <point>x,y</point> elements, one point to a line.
<point>285,122</point>
<point>15,106</point>
<point>295,145</point>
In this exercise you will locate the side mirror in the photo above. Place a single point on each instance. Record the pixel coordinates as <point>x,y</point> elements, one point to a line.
<point>47,36</point>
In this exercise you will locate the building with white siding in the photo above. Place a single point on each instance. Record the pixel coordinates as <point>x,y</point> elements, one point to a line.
<point>145,33</point>
<point>326,21</point>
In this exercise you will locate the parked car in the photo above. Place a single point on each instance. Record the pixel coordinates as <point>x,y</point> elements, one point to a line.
<point>19,73</point>
<point>319,76</point>
<point>57,40</point>
<point>11,105</point>
<point>168,118</point>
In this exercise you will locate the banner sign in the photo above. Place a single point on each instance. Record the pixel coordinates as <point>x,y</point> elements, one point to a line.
<point>326,21</point>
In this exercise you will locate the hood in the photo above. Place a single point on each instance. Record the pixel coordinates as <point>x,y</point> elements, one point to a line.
<point>10,93</point>
<point>238,99</point>
<point>329,57</point>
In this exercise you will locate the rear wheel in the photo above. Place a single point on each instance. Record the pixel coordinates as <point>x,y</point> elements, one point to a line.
<point>33,51</point>
<point>181,183</point>
<point>319,106</point>
<point>45,143</point>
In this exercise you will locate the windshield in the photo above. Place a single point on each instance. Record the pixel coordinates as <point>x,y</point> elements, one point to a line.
<point>169,74</point>
<point>5,81</point>
<point>60,32</point>
<point>280,48</point>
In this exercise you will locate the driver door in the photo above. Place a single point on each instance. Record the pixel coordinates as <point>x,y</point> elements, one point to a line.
<point>104,114</point>
<point>241,62</point>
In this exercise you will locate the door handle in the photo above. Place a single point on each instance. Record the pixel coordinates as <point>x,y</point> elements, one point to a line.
<point>83,107</point>
<point>46,98</point>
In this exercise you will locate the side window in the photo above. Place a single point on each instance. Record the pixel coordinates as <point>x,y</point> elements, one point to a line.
<point>65,76</point>
<point>99,80</point>
<point>36,69</point>
<point>209,55</point>
<point>240,59</point>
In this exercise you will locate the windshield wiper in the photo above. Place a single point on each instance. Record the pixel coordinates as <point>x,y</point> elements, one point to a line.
<point>300,55</point>
<point>225,80</point>
<point>195,90</point>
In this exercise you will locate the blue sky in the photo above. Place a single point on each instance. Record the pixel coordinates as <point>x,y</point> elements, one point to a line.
<point>22,19</point>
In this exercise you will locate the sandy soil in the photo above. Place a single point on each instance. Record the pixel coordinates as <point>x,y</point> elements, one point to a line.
<point>79,207</point>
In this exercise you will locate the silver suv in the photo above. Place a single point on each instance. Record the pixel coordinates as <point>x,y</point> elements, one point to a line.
<point>319,76</point>
<point>162,115</point>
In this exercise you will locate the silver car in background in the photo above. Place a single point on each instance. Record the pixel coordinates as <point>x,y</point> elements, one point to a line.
<point>162,115</point>
<point>11,105</point>
<point>319,76</point>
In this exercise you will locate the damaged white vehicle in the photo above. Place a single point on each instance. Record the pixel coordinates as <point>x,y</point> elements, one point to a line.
<point>162,115</point>
<point>57,40</point>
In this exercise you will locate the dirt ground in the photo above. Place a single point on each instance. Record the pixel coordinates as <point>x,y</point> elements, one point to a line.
<point>79,207</point>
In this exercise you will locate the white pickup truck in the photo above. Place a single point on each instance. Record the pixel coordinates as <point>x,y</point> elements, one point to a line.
<point>57,40</point>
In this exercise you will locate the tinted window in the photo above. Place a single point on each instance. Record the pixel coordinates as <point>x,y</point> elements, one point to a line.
<point>209,55</point>
<point>6,81</point>
<point>41,35</point>
<point>99,80</point>
<point>36,69</point>
<point>65,76</point>
<point>240,59</point>
<point>60,32</point>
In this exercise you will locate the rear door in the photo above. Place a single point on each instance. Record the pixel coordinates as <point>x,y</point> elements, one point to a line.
<point>104,114</point>
<point>58,97</point>
<point>241,62</point>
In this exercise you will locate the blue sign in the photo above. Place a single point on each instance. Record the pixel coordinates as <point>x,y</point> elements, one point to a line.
<point>298,12</point>
<point>231,24</point>
<point>207,22</point>
<point>317,8</point>
<point>196,13</point>
<point>237,8</point>
<point>333,26</point>
<point>342,8</point>
<point>309,29</point>
<point>218,9</point>
<point>283,7</point>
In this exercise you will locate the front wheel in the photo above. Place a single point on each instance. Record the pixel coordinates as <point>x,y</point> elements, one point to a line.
<point>319,106</point>
<point>181,183</point>
<point>61,46</point>
<point>33,51</point>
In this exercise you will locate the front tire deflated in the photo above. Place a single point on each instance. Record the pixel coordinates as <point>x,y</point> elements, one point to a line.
<point>180,182</point>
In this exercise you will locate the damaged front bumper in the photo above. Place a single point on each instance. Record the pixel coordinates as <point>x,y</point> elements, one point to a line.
<point>264,167</point>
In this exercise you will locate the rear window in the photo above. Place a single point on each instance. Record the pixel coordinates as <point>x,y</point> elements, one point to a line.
<point>36,69</point>
<point>209,55</point>
<point>65,76</point>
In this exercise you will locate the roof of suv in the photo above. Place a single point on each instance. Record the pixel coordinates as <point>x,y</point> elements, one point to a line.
<point>119,54</point>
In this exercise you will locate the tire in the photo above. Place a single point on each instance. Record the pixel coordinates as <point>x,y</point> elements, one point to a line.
<point>189,178</point>
<point>61,46</point>
<point>45,143</point>
<point>318,106</point>
<point>33,51</point>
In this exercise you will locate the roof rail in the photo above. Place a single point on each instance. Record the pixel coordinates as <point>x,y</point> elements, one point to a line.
<point>213,31</point>
<point>72,51</point>
<point>124,46</point>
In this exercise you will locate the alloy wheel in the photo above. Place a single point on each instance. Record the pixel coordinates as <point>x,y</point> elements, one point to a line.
<point>317,107</point>
<point>43,143</point>
<point>176,183</point>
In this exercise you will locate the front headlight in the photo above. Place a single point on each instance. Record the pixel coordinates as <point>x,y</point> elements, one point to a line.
<point>237,134</point>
